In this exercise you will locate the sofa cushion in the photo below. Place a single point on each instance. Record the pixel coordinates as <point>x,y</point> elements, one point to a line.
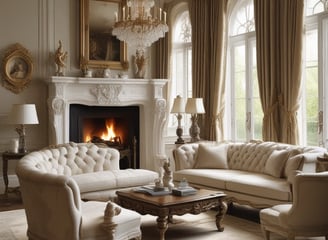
<point>212,156</point>
<point>95,181</point>
<point>134,177</point>
<point>215,178</point>
<point>104,180</point>
<point>256,184</point>
<point>261,185</point>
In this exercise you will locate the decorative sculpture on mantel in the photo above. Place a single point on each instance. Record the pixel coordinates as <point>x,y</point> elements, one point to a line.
<point>140,63</point>
<point>60,58</point>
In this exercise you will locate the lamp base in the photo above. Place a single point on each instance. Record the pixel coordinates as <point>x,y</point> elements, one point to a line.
<point>21,133</point>
<point>194,130</point>
<point>179,132</point>
<point>179,141</point>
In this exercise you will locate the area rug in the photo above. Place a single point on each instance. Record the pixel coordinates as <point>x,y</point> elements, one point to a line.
<point>13,227</point>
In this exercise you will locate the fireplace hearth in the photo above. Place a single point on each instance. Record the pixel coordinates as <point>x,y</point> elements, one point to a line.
<point>116,127</point>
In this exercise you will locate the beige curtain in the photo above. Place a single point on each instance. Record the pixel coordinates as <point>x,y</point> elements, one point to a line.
<point>279,42</point>
<point>291,67</point>
<point>208,20</point>
<point>218,23</point>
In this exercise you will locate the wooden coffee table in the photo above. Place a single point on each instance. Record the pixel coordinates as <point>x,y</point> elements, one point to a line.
<point>164,207</point>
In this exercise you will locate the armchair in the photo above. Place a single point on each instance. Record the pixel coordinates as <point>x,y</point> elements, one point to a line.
<point>306,216</point>
<point>55,211</point>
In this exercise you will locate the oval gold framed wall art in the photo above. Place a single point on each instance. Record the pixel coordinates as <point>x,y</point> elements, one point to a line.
<point>17,68</point>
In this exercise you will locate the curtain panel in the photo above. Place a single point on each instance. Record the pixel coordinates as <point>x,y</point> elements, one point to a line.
<point>279,26</point>
<point>209,28</point>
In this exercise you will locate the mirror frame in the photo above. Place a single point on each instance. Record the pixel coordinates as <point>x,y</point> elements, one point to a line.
<point>85,61</point>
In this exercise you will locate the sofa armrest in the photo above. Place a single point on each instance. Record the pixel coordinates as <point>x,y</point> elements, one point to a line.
<point>292,175</point>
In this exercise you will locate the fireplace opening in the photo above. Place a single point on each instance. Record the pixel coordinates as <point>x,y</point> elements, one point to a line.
<point>116,127</point>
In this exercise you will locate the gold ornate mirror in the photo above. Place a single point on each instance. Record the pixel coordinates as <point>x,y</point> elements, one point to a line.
<point>98,47</point>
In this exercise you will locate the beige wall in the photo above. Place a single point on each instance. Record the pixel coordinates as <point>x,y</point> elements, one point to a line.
<point>38,25</point>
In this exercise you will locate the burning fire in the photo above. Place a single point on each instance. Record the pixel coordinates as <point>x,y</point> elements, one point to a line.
<point>110,134</point>
<point>106,135</point>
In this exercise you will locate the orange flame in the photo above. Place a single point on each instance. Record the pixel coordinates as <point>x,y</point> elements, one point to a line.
<point>110,134</point>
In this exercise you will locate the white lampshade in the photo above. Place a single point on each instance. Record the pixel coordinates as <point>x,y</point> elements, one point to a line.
<point>23,114</point>
<point>195,106</point>
<point>178,105</point>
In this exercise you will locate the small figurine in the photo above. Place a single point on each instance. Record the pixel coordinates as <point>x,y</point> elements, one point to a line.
<point>60,58</point>
<point>107,73</point>
<point>167,177</point>
<point>140,62</point>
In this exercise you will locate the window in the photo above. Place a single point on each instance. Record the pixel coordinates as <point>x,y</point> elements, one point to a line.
<point>314,108</point>
<point>181,65</point>
<point>245,114</point>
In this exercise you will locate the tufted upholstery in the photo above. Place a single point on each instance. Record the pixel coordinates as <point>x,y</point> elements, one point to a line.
<point>73,159</point>
<point>253,176</point>
<point>95,169</point>
<point>250,156</point>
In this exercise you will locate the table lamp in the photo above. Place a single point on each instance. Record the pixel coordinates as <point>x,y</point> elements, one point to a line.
<point>178,108</point>
<point>23,114</point>
<point>194,106</point>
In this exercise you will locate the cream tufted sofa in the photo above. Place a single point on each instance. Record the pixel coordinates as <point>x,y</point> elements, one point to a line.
<point>95,169</point>
<point>254,173</point>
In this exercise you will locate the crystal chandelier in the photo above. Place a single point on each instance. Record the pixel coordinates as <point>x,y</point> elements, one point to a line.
<point>140,24</point>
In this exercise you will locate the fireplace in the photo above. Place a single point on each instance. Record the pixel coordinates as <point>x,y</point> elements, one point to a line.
<point>116,127</point>
<point>146,95</point>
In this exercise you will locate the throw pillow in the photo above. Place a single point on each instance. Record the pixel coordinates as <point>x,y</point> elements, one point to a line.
<point>212,156</point>
<point>276,162</point>
<point>294,162</point>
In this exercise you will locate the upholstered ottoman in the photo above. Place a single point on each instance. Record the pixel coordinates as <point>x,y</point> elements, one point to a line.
<point>120,223</point>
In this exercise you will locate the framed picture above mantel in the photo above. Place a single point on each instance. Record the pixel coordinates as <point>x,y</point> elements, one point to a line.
<point>98,47</point>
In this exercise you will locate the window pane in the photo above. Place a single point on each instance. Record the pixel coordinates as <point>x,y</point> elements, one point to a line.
<point>182,30</point>
<point>315,6</point>
<point>311,88</point>
<point>243,20</point>
<point>257,107</point>
<point>240,92</point>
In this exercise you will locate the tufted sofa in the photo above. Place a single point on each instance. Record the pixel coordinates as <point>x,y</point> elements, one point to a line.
<point>95,169</point>
<point>254,173</point>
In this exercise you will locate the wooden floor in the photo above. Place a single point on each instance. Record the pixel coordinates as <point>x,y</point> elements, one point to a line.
<point>11,203</point>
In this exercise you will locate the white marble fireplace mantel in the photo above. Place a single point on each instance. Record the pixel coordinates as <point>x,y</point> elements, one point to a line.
<point>145,93</point>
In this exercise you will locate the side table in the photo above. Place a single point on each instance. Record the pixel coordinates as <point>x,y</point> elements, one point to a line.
<point>321,164</point>
<point>6,156</point>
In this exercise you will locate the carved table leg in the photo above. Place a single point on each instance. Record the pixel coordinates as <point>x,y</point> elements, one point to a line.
<point>162,224</point>
<point>219,217</point>
<point>5,174</point>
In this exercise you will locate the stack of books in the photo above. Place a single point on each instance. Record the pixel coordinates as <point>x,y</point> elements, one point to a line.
<point>152,190</point>
<point>184,191</point>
